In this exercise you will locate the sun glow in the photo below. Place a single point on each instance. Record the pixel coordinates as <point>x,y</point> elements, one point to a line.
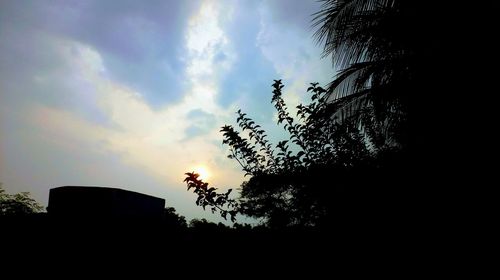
<point>203,172</point>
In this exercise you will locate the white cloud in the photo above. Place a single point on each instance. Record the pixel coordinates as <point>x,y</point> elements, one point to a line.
<point>154,140</point>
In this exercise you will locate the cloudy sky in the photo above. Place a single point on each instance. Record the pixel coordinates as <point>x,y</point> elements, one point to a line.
<point>132,94</point>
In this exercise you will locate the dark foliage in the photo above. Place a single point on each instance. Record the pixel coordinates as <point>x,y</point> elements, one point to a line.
<point>298,181</point>
<point>174,221</point>
<point>385,121</point>
<point>364,141</point>
<point>203,226</point>
<point>20,204</point>
<point>209,197</point>
<point>374,46</point>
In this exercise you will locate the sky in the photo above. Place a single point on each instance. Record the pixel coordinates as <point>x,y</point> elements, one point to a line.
<point>132,94</point>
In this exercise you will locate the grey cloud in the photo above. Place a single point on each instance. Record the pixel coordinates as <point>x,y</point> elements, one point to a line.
<point>33,72</point>
<point>252,74</point>
<point>141,43</point>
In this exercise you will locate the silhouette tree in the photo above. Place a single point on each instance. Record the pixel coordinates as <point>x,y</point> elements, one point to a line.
<point>416,70</point>
<point>295,182</point>
<point>349,145</point>
<point>173,220</point>
<point>368,44</point>
<point>20,204</point>
<point>383,51</point>
<point>204,226</point>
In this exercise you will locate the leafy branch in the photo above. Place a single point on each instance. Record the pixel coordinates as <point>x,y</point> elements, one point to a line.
<point>209,197</point>
<point>284,178</point>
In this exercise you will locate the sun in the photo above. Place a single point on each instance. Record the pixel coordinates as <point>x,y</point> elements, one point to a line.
<point>203,172</point>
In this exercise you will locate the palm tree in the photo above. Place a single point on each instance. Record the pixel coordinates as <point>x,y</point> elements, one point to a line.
<point>379,49</point>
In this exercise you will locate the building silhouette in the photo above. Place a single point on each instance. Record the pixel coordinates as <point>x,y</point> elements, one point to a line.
<point>103,204</point>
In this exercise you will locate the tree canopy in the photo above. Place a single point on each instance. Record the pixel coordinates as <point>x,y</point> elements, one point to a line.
<point>297,181</point>
<point>347,148</point>
<point>19,204</point>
